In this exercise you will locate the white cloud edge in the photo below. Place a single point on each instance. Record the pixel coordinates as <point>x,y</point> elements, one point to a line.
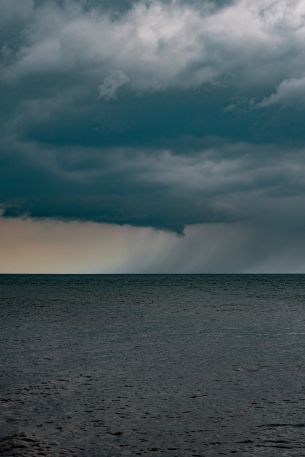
<point>155,46</point>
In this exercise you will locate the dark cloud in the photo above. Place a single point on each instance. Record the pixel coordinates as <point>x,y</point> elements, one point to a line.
<point>161,114</point>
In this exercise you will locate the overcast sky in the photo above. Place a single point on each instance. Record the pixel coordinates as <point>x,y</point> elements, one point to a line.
<point>152,136</point>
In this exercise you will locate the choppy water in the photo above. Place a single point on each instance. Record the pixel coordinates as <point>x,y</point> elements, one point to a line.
<point>152,365</point>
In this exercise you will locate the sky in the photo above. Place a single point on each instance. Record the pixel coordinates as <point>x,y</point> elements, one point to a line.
<point>158,136</point>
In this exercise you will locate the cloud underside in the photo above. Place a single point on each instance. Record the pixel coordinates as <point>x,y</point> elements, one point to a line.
<point>158,115</point>
<point>156,188</point>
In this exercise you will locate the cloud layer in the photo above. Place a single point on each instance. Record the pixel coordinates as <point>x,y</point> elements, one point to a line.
<point>155,114</point>
<point>156,45</point>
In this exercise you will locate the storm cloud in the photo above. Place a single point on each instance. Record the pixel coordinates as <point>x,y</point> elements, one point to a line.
<point>156,115</point>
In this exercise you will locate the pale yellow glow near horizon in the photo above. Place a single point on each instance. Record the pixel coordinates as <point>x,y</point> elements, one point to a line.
<point>50,246</point>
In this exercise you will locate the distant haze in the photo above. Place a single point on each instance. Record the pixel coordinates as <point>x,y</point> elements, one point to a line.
<point>45,246</point>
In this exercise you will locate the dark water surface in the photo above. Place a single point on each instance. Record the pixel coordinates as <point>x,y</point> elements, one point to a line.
<point>169,365</point>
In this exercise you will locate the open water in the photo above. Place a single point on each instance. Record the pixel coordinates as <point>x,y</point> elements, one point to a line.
<point>152,365</point>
